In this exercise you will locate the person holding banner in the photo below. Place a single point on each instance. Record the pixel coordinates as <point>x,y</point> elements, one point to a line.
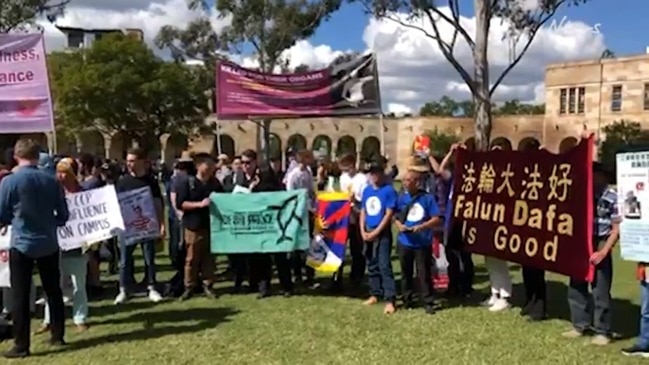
<point>353,182</point>
<point>74,263</point>
<point>379,203</point>
<point>33,203</point>
<point>137,178</point>
<point>418,215</point>
<point>193,198</point>
<point>597,317</point>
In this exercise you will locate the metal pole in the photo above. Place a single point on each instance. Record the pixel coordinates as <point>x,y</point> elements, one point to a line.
<point>219,148</point>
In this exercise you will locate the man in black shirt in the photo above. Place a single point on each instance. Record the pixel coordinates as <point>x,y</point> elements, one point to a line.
<point>193,198</point>
<point>136,178</point>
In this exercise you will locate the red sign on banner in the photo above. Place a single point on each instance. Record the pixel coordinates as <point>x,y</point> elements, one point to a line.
<point>534,208</point>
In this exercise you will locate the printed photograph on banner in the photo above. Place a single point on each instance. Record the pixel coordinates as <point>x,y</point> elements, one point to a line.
<point>139,215</point>
<point>94,216</point>
<point>633,204</point>
<point>25,101</point>
<point>5,243</point>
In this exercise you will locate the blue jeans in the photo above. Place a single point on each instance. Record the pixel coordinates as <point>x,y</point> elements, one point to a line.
<point>379,267</point>
<point>175,239</point>
<point>643,337</point>
<point>77,268</point>
<point>126,264</point>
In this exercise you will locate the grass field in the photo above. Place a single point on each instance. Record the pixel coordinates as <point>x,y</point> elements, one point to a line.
<point>314,328</point>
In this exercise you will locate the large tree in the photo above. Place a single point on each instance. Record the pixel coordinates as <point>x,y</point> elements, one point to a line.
<point>524,23</point>
<point>19,14</point>
<point>119,85</point>
<point>268,27</point>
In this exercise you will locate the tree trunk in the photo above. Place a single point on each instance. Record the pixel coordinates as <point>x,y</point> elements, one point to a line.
<point>482,98</point>
<point>263,138</point>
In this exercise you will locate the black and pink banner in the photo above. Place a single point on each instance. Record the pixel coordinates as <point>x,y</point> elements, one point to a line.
<point>350,88</point>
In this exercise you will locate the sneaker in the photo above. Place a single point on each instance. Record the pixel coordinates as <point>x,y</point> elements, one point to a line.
<point>188,293</point>
<point>489,301</point>
<point>67,300</point>
<point>636,350</point>
<point>41,301</point>
<point>154,296</point>
<point>573,333</point>
<point>500,305</point>
<point>121,298</point>
<point>209,292</point>
<point>600,340</point>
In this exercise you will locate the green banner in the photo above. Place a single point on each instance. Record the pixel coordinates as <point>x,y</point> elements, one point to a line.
<point>259,222</point>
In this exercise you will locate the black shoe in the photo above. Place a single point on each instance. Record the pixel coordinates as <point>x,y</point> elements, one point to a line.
<point>209,292</point>
<point>287,294</point>
<point>429,309</point>
<point>188,293</point>
<point>636,350</point>
<point>408,305</point>
<point>263,295</point>
<point>57,343</point>
<point>527,308</point>
<point>15,353</point>
<point>535,318</point>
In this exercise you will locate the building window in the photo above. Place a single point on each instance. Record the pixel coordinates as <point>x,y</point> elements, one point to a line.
<point>572,95</point>
<point>581,100</point>
<point>616,98</point>
<point>75,39</point>
<point>562,101</point>
<point>646,96</point>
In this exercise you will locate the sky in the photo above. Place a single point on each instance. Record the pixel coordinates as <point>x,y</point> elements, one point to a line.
<point>412,70</point>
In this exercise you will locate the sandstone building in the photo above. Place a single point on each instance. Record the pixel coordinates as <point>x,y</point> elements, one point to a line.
<point>586,95</point>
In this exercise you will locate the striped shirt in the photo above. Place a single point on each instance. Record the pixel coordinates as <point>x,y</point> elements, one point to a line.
<point>606,212</point>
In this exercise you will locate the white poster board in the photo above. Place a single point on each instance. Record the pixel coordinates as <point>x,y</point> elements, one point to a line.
<point>633,204</point>
<point>139,214</point>
<point>5,242</point>
<point>94,217</point>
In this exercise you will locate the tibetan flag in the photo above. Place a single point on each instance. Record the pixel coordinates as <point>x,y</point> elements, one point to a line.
<point>327,250</point>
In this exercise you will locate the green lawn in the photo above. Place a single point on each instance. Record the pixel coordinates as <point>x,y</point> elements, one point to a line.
<point>318,329</point>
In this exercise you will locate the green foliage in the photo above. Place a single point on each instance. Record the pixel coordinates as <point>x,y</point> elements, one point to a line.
<point>118,84</point>
<point>21,14</point>
<point>620,135</point>
<point>440,142</point>
<point>447,107</point>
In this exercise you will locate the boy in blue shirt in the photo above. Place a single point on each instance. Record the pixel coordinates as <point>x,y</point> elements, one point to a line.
<point>379,202</point>
<point>418,215</point>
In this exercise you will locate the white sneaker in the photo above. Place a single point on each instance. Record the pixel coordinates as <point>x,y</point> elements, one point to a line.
<point>154,296</point>
<point>67,300</point>
<point>500,305</point>
<point>489,301</point>
<point>121,298</point>
<point>41,301</point>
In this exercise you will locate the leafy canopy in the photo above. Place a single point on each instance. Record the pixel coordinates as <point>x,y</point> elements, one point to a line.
<point>18,15</point>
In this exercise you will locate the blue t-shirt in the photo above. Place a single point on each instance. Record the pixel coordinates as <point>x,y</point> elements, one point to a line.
<point>375,202</point>
<point>422,210</point>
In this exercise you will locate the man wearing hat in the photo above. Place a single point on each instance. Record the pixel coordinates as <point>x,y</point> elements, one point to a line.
<point>596,318</point>
<point>379,202</point>
<point>417,216</point>
<point>222,167</point>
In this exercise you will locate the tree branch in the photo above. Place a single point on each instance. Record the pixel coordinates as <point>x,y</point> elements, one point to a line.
<point>531,34</point>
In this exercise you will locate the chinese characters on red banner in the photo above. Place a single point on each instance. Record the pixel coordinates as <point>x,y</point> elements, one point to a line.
<point>533,208</point>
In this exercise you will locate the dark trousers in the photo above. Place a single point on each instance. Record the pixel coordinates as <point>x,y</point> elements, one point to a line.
<point>535,292</point>
<point>261,271</point>
<point>239,267</point>
<point>422,259</point>
<point>379,267</point>
<point>357,257</point>
<point>595,317</point>
<point>461,270</point>
<point>21,267</point>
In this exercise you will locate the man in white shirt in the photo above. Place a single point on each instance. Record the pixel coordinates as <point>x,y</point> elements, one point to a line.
<point>301,177</point>
<point>353,182</point>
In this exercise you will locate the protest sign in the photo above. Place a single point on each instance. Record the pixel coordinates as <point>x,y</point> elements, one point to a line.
<point>268,222</point>
<point>327,250</point>
<point>94,216</point>
<point>25,101</point>
<point>5,243</point>
<point>534,208</point>
<point>139,214</point>
<point>633,204</point>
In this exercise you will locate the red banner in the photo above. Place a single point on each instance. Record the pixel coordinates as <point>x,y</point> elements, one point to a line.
<point>534,208</point>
